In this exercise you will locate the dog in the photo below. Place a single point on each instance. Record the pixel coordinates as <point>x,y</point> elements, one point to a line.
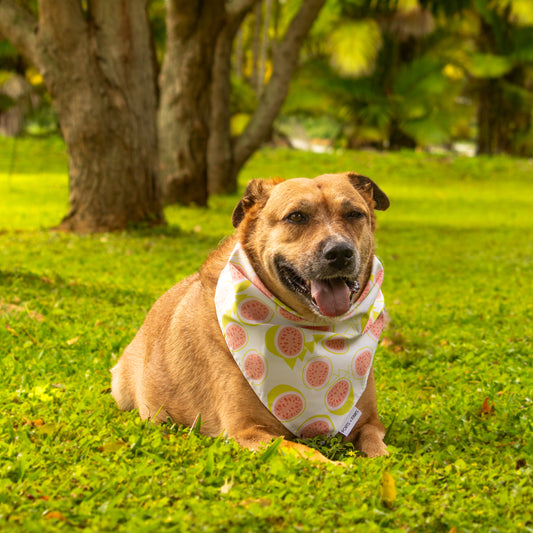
<point>302,252</point>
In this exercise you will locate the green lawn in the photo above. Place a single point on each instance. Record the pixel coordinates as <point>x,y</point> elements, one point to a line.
<point>454,374</point>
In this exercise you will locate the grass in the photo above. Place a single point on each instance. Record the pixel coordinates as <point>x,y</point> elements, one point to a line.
<point>454,373</point>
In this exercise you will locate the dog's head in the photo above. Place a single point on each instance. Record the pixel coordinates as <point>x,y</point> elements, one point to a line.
<point>311,241</point>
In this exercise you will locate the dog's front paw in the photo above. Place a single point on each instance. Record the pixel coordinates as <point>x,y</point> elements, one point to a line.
<point>370,440</point>
<point>301,450</point>
<point>374,447</point>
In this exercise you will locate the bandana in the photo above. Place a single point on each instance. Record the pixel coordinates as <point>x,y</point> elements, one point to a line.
<point>309,376</point>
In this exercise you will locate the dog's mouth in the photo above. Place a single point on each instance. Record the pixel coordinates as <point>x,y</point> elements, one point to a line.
<point>332,296</point>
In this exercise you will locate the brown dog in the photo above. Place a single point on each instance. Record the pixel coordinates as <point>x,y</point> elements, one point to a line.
<point>311,243</point>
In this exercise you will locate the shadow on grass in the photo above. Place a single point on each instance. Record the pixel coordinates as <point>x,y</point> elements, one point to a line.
<point>36,284</point>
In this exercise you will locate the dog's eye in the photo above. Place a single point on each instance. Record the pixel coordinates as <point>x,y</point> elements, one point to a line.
<point>354,215</point>
<point>297,217</point>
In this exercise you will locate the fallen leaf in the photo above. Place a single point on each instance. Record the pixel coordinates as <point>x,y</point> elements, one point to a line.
<point>227,486</point>
<point>11,330</point>
<point>50,428</point>
<point>388,488</point>
<point>386,342</point>
<point>55,515</point>
<point>33,423</point>
<point>70,342</point>
<point>262,502</point>
<point>13,308</point>
<point>521,463</point>
<point>112,446</point>
<point>487,408</point>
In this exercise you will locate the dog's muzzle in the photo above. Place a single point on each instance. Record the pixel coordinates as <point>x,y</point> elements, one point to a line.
<point>329,283</point>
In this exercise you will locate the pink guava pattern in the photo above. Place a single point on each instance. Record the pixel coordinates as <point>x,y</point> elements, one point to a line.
<point>236,336</point>
<point>362,362</point>
<point>365,292</point>
<point>309,374</point>
<point>378,277</point>
<point>289,341</point>
<point>338,394</point>
<point>236,272</point>
<point>289,316</point>
<point>253,310</point>
<point>261,286</point>
<point>315,427</point>
<point>317,372</point>
<point>336,344</point>
<point>254,366</point>
<point>376,327</point>
<point>288,406</point>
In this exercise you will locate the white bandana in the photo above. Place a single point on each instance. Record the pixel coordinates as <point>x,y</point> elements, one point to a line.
<point>309,377</point>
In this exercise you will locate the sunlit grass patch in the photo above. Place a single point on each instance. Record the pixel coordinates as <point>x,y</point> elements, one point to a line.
<point>454,374</point>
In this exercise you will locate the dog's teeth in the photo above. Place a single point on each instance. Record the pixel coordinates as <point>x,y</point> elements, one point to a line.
<point>352,285</point>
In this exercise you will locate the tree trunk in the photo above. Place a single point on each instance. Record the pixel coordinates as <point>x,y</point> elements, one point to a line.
<point>184,113</point>
<point>504,113</point>
<point>226,158</point>
<point>256,46</point>
<point>238,54</point>
<point>96,66</point>
<point>398,138</point>
<point>519,114</point>
<point>489,109</point>
<point>488,120</point>
<point>285,61</point>
<point>263,52</point>
<point>219,151</point>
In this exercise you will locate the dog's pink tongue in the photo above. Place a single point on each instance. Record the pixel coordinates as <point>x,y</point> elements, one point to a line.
<point>331,296</point>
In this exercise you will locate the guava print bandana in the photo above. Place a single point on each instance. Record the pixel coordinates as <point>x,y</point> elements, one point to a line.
<point>309,376</point>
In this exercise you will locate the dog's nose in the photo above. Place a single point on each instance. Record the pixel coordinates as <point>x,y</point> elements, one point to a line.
<point>338,254</point>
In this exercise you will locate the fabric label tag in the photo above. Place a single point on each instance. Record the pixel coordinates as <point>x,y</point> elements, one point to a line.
<point>352,419</point>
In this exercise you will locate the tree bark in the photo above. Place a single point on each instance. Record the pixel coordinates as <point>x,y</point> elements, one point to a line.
<point>256,46</point>
<point>226,158</point>
<point>489,107</point>
<point>285,61</point>
<point>503,121</point>
<point>96,66</point>
<point>489,98</point>
<point>238,54</point>
<point>184,113</point>
<point>263,51</point>
<point>219,151</point>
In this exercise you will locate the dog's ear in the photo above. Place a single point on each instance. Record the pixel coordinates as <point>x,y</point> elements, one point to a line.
<point>256,193</point>
<point>366,185</point>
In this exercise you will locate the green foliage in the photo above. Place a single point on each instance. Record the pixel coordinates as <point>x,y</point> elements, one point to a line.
<point>489,65</point>
<point>354,46</point>
<point>243,98</point>
<point>454,374</point>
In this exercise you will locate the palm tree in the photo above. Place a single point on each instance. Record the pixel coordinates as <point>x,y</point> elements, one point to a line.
<point>387,77</point>
<point>499,67</point>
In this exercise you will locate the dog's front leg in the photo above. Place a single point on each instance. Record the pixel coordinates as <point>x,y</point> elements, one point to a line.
<point>368,435</point>
<point>257,437</point>
<point>369,439</point>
